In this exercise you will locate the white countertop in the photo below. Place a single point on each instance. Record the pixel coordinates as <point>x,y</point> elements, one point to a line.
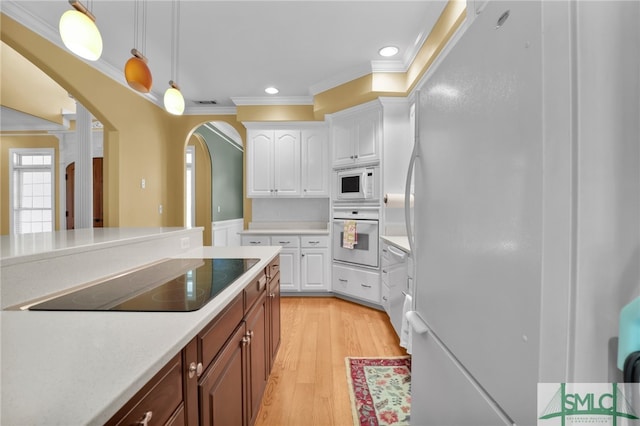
<point>287,228</point>
<point>401,242</point>
<point>37,246</point>
<point>279,231</point>
<point>73,368</point>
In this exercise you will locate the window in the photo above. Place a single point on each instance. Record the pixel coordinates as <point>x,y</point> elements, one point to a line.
<point>32,180</point>
<point>190,160</point>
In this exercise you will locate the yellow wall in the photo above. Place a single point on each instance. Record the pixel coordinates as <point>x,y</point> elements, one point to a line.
<point>28,89</point>
<point>26,141</point>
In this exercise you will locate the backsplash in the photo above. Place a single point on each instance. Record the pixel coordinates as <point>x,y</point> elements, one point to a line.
<point>290,209</point>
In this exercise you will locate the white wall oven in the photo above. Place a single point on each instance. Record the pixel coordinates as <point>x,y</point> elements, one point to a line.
<point>355,236</point>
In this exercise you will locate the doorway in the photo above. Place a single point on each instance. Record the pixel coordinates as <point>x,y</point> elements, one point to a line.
<point>98,220</point>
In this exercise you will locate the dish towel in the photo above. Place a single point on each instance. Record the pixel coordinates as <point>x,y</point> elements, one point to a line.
<point>349,236</point>
<point>405,330</point>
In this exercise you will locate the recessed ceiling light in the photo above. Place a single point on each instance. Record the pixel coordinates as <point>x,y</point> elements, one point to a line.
<point>388,51</point>
<point>271,90</point>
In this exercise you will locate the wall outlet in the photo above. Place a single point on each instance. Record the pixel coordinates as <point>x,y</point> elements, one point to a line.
<point>143,183</point>
<point>218,209</point>
<point>160,209</point>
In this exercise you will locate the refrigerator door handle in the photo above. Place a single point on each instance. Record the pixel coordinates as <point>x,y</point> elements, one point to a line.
<point>417,323</point>
<point>407,186</point>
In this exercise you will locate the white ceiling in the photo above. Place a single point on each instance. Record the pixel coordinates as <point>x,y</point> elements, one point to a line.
<point>230,51</point>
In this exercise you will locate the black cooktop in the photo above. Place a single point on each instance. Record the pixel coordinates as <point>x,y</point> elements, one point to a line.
<point>173,285</point>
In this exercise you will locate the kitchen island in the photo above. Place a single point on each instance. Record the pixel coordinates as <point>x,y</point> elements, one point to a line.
<point>73,368</point>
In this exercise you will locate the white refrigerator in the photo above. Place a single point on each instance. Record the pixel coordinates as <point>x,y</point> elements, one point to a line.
<point>504,163</point>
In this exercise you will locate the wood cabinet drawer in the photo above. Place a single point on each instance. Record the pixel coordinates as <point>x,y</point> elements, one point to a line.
<point>273,268</point>
<point>255,240</point>
<point>161,399</point>
<point>253,291</point>
<point>312,241</point>
<point>214,336</point>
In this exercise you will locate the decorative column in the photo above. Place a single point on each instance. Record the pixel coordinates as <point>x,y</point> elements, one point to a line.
<point>83,191</point>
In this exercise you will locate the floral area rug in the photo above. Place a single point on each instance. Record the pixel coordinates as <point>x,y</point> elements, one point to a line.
<point>380,390</point>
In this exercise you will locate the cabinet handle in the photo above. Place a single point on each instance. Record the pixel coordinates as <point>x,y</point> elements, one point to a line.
<point>314,242</point>
<point>272,295</point>
<point>195,369</point>
<point>352,157</point>
<point>145,420</point>
<point>305,190</point>
<point>302,255</point>
<point>255,242</point>
<point>284,242</point>
<point>342,280</point>
<point>245,341</point>
<point>384,271</point>
<point>355,156</point>
<point>384,298</point>
<point>365,285</point>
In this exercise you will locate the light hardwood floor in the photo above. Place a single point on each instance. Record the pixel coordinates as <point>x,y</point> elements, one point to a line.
<point>308,383</point>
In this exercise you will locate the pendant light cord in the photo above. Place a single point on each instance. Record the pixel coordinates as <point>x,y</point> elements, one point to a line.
<point>136,5</point>
<point>175,29</point>
<point>140,34</point>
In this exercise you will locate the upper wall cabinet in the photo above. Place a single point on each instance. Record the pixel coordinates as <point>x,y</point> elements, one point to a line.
<point>287,162</point>
<point>356,135</point>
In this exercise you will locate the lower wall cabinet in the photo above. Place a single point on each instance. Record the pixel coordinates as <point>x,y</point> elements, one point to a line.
<point>304,260</point>
<point>357,282</point>
<point>220,376</point>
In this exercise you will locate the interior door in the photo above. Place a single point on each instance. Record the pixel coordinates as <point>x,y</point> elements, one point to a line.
<point>98,208</point>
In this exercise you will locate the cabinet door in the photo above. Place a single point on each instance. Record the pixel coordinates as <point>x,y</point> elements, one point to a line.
<point>286,172</point>
<point>368,137</point>
<point>274,318</point>
<point>314,270</point>
<point>315,163</point>
<point>342,145</point>
<point>260,163</point>
<point>221,388</point>
<point>289,269</point>
<point>258,356</point>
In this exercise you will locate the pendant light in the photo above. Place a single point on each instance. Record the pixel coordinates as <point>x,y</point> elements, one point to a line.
<point>136,71</point>
<point>173,99</point>
<point>79,32</point>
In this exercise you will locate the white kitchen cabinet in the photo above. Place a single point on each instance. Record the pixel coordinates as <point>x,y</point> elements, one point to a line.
<point>315,163</point>
<point>289,261</point>
<point>255,240</point>
<point>356,135</point>
<point>314,263</point>
<point>287,162</point>
<point>273,163</point>
<point>356,282</point>
<point>304,260</point>
<point>395,283</point>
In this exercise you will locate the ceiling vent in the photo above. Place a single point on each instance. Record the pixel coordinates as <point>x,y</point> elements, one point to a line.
<point>206,102</point>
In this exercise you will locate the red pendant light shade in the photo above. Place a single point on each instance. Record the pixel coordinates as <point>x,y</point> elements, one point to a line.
<point>137,72</point>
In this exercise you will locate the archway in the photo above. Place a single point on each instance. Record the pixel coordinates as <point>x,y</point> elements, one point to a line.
<point>217,199</point>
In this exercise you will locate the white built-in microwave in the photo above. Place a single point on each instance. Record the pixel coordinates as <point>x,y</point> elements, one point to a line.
<point>356,183</point>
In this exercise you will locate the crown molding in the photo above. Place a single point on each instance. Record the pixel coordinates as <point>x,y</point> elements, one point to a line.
<point>210,110</point>
<point>278,100</point>
<point>340,79</point>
